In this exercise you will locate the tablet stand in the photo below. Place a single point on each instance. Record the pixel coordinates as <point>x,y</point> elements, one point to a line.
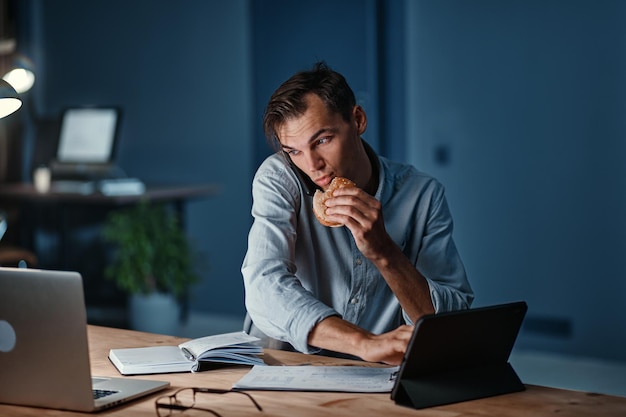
<point>458,385</point>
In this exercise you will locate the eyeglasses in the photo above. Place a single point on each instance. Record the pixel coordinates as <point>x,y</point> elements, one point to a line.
<point>185,399</point>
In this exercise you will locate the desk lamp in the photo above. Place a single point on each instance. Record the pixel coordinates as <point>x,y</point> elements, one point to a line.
<point>10,103</point>
<point>9,100</point>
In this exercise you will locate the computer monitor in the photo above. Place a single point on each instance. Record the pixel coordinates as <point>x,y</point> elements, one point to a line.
<point>88,135</point>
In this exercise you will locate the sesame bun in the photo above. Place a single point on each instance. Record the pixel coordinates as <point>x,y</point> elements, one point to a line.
<point>320,197</point>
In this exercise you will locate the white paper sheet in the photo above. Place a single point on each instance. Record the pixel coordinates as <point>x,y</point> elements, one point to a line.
<point>319,378</point>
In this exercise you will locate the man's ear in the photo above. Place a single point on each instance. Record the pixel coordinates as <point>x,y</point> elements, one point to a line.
<point>360,119</point>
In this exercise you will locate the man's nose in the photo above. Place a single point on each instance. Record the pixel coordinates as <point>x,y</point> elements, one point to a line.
<point>314,161</point>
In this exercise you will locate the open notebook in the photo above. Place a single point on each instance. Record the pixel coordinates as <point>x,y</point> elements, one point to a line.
<point>44,355</point>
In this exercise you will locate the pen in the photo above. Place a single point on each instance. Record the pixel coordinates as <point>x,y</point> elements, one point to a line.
<point>188,354</point>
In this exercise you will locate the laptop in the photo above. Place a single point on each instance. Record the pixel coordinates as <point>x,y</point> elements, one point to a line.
<point>459,356</point>
<point>44,353</point>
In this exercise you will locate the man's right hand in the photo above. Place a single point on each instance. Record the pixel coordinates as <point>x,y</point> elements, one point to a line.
<point>338,335</point>
<point>388,347</point>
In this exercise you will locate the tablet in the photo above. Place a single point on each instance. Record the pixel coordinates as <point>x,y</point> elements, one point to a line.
<point>459,356</point>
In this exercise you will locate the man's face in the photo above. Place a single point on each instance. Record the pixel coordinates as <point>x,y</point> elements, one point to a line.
<point>322,144</point>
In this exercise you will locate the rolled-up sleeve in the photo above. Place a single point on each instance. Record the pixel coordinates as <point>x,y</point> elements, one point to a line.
<point>276,300</point>
<point>439,261</point>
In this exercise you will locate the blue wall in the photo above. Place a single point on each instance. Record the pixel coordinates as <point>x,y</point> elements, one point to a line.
<point>528,100</point>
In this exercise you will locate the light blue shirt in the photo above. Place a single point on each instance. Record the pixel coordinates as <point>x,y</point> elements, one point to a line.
<point>297,272</point>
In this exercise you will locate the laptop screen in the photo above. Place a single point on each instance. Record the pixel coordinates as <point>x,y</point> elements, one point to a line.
<point>88,135</point>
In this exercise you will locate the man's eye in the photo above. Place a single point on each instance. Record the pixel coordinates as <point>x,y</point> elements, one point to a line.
<point>321,141</point>
<point>293,152</point>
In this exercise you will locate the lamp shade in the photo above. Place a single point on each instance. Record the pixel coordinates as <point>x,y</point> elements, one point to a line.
<point>21,74</point>
<point>9,100</point>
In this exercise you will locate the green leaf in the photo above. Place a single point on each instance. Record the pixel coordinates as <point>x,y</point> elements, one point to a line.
<point>152,252</point>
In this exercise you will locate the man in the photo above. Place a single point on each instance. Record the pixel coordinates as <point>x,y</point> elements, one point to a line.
<point>355,289</point>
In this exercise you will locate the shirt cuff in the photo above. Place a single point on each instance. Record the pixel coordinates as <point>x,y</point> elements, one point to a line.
<point>301,341</point>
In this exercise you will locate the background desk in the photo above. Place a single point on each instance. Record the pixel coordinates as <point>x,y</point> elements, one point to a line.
<point>68,224</point>
<point>535,401</point>
<point>25,193</point>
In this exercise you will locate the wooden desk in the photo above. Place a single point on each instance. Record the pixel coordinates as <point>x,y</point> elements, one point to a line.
<point>535,401</point>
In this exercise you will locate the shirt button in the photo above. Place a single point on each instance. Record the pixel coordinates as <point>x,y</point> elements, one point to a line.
<point>358,261</point>
<point>354,300</point>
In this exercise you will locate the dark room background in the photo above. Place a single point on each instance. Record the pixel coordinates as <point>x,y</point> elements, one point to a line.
<point>516,106</point>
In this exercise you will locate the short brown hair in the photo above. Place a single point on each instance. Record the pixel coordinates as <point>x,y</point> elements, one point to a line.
<point>288,100</point>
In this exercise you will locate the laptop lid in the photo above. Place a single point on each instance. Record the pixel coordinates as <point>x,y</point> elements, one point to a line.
<point>88,135</point>
<point>459,356</point>
<point>44,353</point>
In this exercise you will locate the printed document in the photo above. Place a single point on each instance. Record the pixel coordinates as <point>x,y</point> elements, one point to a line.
<point>319,378</point>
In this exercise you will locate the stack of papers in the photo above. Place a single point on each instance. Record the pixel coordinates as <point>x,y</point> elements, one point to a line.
<point>121,186</point>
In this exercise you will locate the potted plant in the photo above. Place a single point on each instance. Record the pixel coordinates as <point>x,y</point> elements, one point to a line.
<point>153,261</point>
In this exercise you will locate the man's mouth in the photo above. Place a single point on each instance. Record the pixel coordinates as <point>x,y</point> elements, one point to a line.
<point>324,181</point>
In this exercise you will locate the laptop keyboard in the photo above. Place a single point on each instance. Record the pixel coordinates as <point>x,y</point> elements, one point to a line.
<point>101,393</point>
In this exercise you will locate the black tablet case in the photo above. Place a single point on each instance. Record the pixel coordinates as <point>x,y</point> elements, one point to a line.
<point>459,356</point>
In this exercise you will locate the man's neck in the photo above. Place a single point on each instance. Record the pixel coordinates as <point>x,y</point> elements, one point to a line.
<point>372,184</point>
